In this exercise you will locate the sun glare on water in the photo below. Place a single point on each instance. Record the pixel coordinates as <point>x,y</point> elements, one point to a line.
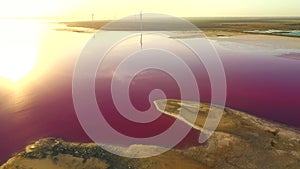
<point>19,43</point>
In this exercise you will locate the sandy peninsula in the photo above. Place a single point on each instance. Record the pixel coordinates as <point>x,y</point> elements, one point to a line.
<point>240,141</point>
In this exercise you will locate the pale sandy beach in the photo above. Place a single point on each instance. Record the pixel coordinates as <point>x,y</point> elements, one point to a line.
<point>238,138</point>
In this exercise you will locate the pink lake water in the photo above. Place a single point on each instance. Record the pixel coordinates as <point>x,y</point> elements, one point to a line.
<point>259,82</point>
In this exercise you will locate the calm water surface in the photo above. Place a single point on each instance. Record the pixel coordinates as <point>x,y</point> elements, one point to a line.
<point>278,32</point>
<point>40,105</point>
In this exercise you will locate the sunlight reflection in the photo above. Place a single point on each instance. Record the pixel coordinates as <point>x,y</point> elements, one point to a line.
<point>19,45</point>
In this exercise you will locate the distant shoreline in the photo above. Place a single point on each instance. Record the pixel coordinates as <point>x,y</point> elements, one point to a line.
<point>212,27</point>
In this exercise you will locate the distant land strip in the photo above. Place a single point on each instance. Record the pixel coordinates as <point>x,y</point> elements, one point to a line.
<point>219,26</point>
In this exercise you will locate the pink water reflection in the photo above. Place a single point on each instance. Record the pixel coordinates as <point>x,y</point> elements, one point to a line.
<point>261,85</point>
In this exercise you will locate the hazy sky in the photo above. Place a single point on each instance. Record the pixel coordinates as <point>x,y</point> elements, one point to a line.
<point>82,9</point>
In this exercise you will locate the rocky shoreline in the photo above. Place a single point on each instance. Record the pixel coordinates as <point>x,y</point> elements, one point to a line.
<point>240,141</point>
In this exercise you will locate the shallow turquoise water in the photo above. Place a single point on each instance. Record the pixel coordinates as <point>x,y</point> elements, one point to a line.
<point>293,33</point>
<point>277,32</point>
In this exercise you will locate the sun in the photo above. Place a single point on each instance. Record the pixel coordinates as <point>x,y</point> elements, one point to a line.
<point>19,48</point>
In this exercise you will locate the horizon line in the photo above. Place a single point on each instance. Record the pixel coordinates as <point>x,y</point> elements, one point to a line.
<point>108,18</point>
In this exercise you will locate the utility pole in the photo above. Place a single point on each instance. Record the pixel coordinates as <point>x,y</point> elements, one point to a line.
<point>141,29</point>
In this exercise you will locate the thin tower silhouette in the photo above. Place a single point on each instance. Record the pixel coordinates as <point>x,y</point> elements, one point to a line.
<point>141,29</point>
